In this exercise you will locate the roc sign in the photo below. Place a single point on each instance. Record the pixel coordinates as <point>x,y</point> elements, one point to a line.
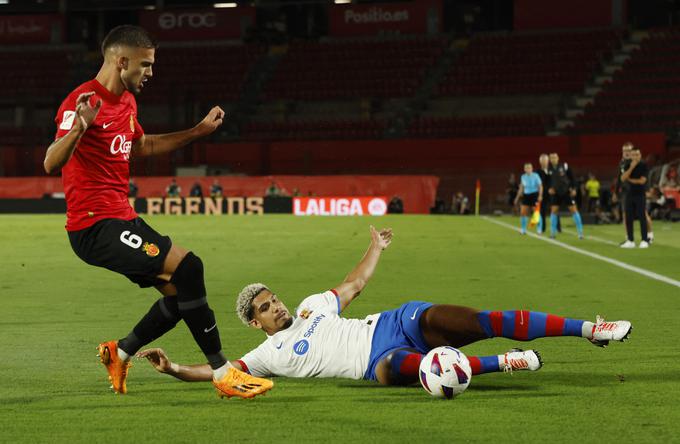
<point>340,206</point>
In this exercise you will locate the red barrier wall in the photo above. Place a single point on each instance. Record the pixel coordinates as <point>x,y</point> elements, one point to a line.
<point>417,192</point>
<point>458,162</point>
<point>425,156</point>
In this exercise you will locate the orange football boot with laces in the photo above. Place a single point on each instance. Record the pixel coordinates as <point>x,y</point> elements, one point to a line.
<point>116,367</point>
<point>241,384</point>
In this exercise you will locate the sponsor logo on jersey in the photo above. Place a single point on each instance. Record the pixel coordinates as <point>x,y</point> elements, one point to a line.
<point>301,347</point>
<point>67,120</point>
<point>120,145</point>
<point>315,323</point>
<point>151,249</point>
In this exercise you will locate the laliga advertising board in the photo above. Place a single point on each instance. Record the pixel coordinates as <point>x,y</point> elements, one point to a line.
<point>340,206</point>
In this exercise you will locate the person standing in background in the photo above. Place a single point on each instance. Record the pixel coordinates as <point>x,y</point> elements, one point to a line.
<point>622,190</point>
<point>530,191</point>
<point>562,192</point>
<point>592,187</point>
<point>636,175</point>
<point>216,189</point>
<point>542,172</point>
<point>196,190</point>
<point>173,189</point>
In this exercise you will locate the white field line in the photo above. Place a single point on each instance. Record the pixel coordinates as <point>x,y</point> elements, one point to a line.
<point>625,266</point>
<point>591,237</point>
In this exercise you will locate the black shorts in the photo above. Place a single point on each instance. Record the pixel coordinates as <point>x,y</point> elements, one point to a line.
<point>129,247</point>
<point>530,199</point>
<point>558,200</point>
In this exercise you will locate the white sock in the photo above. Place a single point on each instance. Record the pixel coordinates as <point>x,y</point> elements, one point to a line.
<point>650,235</point>
<point>587,329</point>
<point>501,362</point>
<point>219,373</point>
<point>122,355</point>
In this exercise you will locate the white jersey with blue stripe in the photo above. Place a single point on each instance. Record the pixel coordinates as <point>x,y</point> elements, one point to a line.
<point>319,343</point>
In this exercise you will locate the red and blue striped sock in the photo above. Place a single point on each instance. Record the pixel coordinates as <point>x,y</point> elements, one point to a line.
<point>524,325</point>
<point>484,364</point>
<point>405,363</point>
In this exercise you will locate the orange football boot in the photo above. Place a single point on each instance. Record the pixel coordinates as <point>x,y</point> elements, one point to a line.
<point>241,384</point>
<point>117,368</point>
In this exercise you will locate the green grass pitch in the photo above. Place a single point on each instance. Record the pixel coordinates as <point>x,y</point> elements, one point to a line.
<point>54,309</point>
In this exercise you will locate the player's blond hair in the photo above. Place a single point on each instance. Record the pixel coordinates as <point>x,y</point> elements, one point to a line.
<point>244,302</point>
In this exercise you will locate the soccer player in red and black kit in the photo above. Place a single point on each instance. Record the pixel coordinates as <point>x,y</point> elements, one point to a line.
<point>97,133</point>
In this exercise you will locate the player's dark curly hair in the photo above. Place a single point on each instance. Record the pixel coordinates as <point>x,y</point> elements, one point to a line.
<point>128,35</point>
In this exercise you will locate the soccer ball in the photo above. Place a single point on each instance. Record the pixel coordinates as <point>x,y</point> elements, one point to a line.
<point>445,372</point>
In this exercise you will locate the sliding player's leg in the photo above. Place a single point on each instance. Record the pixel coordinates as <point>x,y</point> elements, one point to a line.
<point>458,326</point>
<point>401,366</point>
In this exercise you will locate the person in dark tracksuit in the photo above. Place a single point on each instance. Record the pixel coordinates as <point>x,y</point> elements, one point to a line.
<point>562,192</point>
<point>542,172</point>
<point>635,200</point>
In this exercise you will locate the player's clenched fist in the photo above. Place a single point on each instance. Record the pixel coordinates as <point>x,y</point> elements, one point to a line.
<point>212,120</point>
<point>86,113</point>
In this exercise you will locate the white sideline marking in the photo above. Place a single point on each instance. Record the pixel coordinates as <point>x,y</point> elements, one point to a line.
<point>595,238</point>
<point>625,266</point>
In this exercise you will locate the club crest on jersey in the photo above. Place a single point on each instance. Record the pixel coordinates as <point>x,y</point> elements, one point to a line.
<point>151,249</point>
<point>304,314</point>
<point>132,123</point>
<point>121,145</point>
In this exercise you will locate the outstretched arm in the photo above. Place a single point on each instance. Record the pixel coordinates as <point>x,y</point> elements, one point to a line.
<point>154,144</point>
<point>189,373</point>
<point>359,277</point>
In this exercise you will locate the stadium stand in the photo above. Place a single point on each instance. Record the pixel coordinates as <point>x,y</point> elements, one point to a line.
<point>341,89</point>
<point>40,74</point>
<point>353,68</point>
<point>534,71</point>
<point>528,63</point>
<point>205,72</point>
<point>643,95</point>
<point>314,129</point>
<point>471,126</point>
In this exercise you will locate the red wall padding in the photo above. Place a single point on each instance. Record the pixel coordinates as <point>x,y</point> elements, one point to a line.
<point>425,156</point>
<point>457,161</point>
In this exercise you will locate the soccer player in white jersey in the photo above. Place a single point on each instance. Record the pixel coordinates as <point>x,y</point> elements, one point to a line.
<point>386,347</point>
